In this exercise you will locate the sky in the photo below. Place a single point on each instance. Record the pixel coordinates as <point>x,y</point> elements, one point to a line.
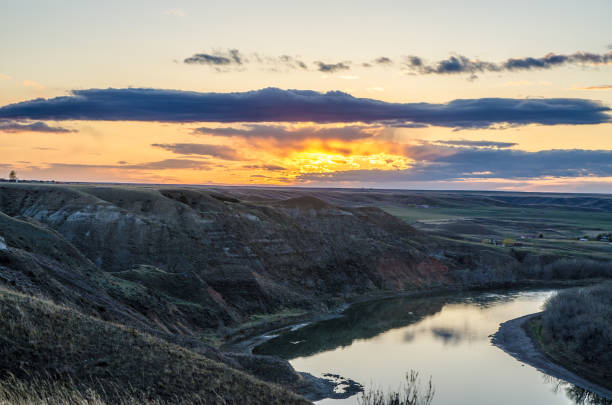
<point>472,95</point>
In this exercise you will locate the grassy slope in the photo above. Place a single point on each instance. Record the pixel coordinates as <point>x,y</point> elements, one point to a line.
<point>41,336</point>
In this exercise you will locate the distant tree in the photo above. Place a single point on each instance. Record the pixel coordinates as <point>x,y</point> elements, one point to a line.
<point>13,175</point>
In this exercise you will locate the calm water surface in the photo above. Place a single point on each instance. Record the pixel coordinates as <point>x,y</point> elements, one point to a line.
<point>447,338</point>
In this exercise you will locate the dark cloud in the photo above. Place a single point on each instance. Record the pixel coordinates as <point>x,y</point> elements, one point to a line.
<point>545,62</point>
<point>332,67</point>
<point>276,105</point>
<point>217,58</point>
<point>481,144</point>
<point>462,64</point>
<point>274,167</point>
<point>280,132</point>
<point>383,60</point>
<point>219,151</point>
<point>207,59</point>
<point>233,59</point>
<point>442,163</point>
<point>401,124</point>
<point>15,127</point>
<point>454,64</point>
<point>414,61</point>
<point>265,167</point>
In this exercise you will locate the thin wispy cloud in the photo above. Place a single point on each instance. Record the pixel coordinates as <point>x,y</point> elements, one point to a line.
<point>232,60</point>
<point>220,60</point>
<point>459,64</point>
<point>381,61</point>
<point>481,144</point>
<point>280,132</point>
<point>33,84</point>
<point>332,67</point>
<point>412,64</point>
<point>217,151</point>
<point>276,105</point>
<point>283,62</point>
<point>175,12</point>
<point>165,164</point>
<point>272,168</point>
<point>602,87</point>
<point>16,127</point>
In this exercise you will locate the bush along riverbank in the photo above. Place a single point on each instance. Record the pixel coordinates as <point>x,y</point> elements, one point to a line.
<point>575,330</point>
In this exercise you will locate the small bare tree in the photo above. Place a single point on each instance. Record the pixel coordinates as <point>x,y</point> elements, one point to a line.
<point>13,175</point>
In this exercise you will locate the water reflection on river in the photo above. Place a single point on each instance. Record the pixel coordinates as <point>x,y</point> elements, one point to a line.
<point>447,337</point>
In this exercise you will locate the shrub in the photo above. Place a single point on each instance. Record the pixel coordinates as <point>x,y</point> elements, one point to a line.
<point>485,277</point>
<point>410,393</point>
<point>575,269</point>
<point>567,269</point>
<point>580,321</point>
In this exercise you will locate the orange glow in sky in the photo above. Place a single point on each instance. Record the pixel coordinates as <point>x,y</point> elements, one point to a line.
<point>473,56</point>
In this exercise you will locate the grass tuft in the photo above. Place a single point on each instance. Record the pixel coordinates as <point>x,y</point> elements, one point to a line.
<point>410,393</point>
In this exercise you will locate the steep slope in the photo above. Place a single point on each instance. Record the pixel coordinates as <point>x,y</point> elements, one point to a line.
<point>241,258</point>
<point>39,261</point>
<point>41,338</point>
<point>38,266</point>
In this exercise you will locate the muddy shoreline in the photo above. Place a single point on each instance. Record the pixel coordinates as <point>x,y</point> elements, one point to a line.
<point>512,338</point>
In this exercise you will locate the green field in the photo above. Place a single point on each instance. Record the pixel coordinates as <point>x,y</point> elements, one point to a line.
<point>592,220</point>
<point>560,228</point>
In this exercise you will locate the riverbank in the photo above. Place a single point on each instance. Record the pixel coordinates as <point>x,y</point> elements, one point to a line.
<point>512,338</point>
<point>244,338</point>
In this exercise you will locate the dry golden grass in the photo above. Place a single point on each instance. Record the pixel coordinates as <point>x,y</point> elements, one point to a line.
<point>84,360</point>
<point>48,391</point>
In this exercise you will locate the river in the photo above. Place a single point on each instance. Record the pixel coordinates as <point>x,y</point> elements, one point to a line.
<point>445,337</point>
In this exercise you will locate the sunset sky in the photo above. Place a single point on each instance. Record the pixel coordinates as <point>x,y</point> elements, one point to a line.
<point>388,94</point>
